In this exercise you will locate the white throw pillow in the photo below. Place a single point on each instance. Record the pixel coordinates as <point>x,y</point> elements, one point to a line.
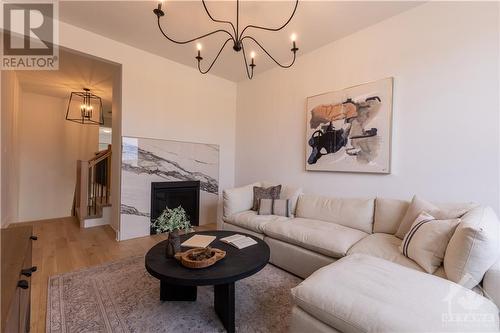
<point>418,206</point>
<point>426,241</point>
<point>473,248</point>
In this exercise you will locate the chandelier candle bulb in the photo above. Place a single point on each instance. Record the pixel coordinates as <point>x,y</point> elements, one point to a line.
<point>235,36</point>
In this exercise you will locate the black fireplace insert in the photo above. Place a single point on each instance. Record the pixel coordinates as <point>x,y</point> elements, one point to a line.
<point>175,194</point>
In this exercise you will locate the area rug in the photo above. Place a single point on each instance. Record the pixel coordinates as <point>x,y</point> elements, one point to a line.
<point>123,297</point>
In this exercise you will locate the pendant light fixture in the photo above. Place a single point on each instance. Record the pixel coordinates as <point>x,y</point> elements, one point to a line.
<point>85,108</point>
<point>237,38</point>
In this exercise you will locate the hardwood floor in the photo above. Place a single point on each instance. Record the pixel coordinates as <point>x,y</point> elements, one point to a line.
<point>63,247</point>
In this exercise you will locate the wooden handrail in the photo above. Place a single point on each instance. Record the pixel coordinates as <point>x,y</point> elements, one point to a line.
<point>102,157</point>
<point>101,154</point>
<point>93,185</point>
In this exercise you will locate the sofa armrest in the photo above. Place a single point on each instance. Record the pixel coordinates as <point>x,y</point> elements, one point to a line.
<point>238,199</point>
<point>491,283</point>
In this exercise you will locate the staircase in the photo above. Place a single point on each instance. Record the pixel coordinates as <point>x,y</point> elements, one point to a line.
<point>92,199</point>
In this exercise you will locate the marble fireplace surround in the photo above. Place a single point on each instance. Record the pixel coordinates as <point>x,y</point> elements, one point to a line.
<point>146,160</point>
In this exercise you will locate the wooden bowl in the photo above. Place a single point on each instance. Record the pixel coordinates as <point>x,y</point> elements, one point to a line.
<point>200,257</point>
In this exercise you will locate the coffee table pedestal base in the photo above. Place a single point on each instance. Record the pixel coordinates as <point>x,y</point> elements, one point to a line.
<point>170,292</point>
<point>224,305</point>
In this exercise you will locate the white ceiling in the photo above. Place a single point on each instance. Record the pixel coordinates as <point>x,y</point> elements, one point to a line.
<point>76,71</point>
<point>316,23</point>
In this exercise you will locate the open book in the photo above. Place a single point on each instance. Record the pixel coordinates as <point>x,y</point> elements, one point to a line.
<point>238,241</point>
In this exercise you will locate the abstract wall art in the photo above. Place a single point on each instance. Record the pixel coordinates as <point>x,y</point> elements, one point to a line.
<point>350,130</point>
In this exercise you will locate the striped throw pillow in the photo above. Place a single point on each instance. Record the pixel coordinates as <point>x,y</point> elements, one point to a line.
<point>426,241</point>
<point>281,207</point>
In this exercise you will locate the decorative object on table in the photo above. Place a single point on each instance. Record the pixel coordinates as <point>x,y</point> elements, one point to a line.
<point>350,130</point>
<point>171,221</point>
<point>85,108</point>
<point>200,257</point>
<point>272,192</point>
<point>199,241</point>
<point>236,38</point>
<point>238,241</point>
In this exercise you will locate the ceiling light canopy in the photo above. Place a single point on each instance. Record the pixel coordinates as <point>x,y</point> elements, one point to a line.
<point>85,108</point>
<point>235,36</point>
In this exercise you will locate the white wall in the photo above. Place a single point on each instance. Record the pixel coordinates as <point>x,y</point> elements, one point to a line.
<point>49,147</point>
<point>165,100</point>
<point>444,60</point>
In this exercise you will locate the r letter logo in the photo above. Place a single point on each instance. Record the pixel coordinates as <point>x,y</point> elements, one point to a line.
<point>29,40</point>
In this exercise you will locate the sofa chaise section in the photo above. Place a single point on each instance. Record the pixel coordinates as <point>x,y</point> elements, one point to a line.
<point>362,293</point>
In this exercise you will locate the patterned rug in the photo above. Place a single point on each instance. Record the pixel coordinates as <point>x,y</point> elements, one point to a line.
<point>122,297</point>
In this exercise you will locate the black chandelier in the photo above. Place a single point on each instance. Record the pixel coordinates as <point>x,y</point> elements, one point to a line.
<point>235,36</point>
<point>85,108</point>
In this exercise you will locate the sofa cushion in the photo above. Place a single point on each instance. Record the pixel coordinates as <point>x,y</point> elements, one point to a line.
<point>426,241</point>
<point>238,199</point>
<point>441,212</point>
<point>323,237</point>
<point>383,246</point>
<point>473,248</point>
<point>251,220</point>
<point>360,293</point>
<point>353,213</point>
<point>388,215</point>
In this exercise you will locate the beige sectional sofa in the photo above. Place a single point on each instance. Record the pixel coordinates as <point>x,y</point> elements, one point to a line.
<point>360,235</point>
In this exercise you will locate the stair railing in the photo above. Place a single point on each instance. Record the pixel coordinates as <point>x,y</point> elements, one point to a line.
<point>93,185</point>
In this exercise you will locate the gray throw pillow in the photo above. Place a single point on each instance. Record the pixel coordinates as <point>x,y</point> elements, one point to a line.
<point>272,192</point>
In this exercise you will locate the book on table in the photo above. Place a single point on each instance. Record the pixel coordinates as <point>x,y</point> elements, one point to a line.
<point>239,241</point>
<point>198,241</point>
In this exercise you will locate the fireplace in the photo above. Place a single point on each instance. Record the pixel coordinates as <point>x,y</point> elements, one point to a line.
<point>175,194</point>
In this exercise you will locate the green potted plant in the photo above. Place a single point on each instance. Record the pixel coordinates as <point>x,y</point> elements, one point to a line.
<point>171,221</point>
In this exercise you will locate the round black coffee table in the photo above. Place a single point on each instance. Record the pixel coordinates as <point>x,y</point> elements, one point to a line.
<point>178,283</point>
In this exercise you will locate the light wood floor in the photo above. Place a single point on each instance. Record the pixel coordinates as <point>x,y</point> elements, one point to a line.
<point>63,247</point>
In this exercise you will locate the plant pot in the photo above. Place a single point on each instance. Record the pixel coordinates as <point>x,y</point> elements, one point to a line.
<point>173,243</point>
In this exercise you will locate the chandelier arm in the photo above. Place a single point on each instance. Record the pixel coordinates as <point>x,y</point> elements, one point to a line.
<point>192,40</point>
<point>271,29</point>
<point>270,56</point>
<point>219,21</point>
<point>246,63</point>
<point>215,59</point>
